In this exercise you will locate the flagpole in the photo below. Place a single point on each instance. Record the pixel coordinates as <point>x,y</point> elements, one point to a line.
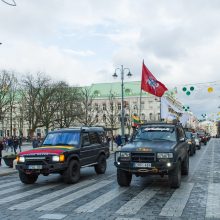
<point>160,109</point>
<point>140,104</point>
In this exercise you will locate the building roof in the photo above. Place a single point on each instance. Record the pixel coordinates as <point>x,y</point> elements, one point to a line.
<point>103,90</point>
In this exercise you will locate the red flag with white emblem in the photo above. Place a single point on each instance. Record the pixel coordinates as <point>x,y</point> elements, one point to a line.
<point>150,84</point>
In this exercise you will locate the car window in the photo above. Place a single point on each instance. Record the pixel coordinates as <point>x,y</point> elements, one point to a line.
<point>188,134</point>
<point>181,133</point>
<point>94,139</point>
<point>85,139</point>
<point>152,133</point>
<point>62,138</point>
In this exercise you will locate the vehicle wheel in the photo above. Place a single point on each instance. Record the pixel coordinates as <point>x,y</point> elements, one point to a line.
<point>72,173</point>
<point>191,151</point>
<point>101,166</point>
<point>185,166</point>
<point>194,150</point>
<point>27,178</point>
<point>175,176</point>
<point>123,177</point>
<point>199,147</point>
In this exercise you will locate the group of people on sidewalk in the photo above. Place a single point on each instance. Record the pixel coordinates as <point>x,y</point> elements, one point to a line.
<point>10,143</point>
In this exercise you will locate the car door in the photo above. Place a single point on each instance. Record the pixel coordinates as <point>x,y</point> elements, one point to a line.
<point>183,146</point>
<point>85,152</point>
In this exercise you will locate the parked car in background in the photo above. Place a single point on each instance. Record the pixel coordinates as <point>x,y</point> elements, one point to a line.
<point>203,137</point>
<point>191,142</point>
<point>197,140</point>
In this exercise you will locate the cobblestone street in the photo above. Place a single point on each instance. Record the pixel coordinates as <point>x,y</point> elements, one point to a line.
<point>100,197</point>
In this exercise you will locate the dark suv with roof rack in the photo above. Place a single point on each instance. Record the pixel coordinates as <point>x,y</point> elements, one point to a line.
<point>155,148</point>
<point>65,151</point>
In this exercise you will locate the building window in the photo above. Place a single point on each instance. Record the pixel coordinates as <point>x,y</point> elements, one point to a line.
<point>96,106</point>
<point>104,106</point>
<point>151,116</point>
<point>158,116</point>
<point>119,106</point>
<point>104,118</point>
<point>142,116</point>
<point>97,118</point>
<point>142,105</point>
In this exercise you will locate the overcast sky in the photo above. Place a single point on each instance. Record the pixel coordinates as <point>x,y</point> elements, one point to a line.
<point>83,41</point>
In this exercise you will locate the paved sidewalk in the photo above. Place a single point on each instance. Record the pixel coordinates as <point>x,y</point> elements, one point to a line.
<point>5,170</point>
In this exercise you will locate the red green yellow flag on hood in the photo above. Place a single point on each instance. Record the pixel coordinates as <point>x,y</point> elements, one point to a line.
<point>136,120</point>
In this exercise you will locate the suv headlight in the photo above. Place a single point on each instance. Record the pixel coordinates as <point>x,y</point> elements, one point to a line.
<point>125,154</point>
<point>57,158</point>
<point>164,155</point>
<point>189,142</point>
<point>121,156</point>
<point>21,159</point>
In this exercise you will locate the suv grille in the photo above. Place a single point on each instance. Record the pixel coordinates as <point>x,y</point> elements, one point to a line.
<point>39,160</point>
<point>143,157</point>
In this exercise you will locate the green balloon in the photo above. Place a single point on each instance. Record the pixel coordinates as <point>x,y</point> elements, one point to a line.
<point>184,89</point>
<point>187,107</point>
<point>188,93</point>
<point>191,88</point>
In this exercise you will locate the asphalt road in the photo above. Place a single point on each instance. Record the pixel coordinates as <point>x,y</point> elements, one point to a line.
<point>100,197</point>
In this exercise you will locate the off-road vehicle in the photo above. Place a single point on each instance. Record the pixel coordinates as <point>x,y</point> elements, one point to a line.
<point>155,148</point>
<point>65,151</point>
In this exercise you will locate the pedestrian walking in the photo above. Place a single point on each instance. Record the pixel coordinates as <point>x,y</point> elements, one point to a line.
<point>10,143</point>
<point>20,143</point>
<point>15,144</point>
<point>118,140</point>
<point>1,149</point>
<point>35,142</point>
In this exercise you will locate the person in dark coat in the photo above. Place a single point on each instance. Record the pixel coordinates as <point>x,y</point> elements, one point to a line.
<point>1,149</point>
<point>15,144</point>
<point>35,142</point>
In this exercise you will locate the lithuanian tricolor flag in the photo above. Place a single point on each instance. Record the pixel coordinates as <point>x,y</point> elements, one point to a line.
<point>136,120</point>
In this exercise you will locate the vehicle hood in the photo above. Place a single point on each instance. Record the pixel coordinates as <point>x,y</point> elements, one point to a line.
<point>150,146</point>
<point>47,150</point>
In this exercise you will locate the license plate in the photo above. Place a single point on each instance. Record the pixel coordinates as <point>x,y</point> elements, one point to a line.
<point>35,167</point>
<point>148,165</point>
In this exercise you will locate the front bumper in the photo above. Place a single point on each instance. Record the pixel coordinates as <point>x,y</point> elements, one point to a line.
<point>43,168</point>
<point>160,167</point>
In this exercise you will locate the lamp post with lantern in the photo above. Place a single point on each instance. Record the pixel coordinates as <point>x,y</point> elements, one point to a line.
<point>122,71</point>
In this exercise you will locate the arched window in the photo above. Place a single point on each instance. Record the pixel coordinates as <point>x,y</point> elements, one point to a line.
<point>142,116</point>
<point>151,116</point>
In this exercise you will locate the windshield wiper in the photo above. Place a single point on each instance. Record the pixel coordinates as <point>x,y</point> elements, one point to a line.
<point>62,144</point>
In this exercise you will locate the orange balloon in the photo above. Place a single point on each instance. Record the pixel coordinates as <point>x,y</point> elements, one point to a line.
<point>210,89</point>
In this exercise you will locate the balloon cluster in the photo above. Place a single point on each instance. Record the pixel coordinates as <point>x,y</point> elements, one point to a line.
<point>188,92</point>
<point>186,108</point>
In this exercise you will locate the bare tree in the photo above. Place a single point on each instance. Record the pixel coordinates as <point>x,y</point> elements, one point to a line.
<point>8,84</point>
<point>69,105</point>
<point>112,115</point>
<point>38,94</point>
<point>88,115</point>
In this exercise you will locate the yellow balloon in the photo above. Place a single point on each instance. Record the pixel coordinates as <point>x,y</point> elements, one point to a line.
<point>218,113</point>
<point>210,89</point>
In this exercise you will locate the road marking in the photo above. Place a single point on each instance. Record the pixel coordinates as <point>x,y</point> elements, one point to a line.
<point>177,202</point>
<point>44,198</point>
<point>73,196</point>
<point>12,189</point>
<point>119,218</point>
<point>9,184</point>
<point>53,216</point>
<point>213,201</point>
<point>135,204</point>
<point>101,200</point>
<point>27,193</point>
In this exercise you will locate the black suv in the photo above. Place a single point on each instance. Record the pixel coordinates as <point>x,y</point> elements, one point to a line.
<point>65,151</point>
<point>155,148</point>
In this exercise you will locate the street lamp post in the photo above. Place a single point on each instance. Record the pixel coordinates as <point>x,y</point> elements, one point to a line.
<point>122,71</point>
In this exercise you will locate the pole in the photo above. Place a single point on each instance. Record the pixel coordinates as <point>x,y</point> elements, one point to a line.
<point>139,114</point>
<point>122,107</point>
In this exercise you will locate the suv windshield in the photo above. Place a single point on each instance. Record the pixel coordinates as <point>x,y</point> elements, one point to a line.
<point>155,133</point>
<point>62,138</point>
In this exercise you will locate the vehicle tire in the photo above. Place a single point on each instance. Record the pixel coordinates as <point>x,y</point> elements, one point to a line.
<point>100,168</point>
<point>199,147</point>
<point>123,177</point>
<point>72,173</point>
<point>185,166</point>
<point>175,176</point>
<point>27,178</point>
